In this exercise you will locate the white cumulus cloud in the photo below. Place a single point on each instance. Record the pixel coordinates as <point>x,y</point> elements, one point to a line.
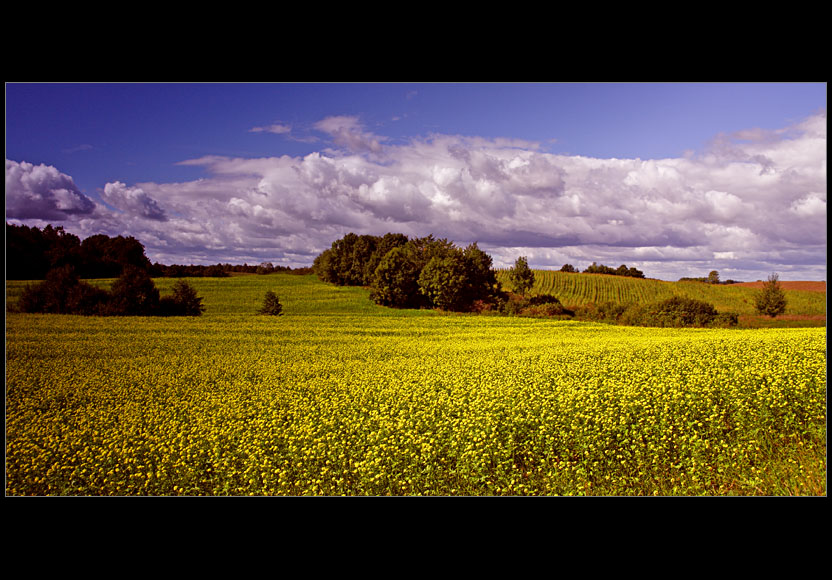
<point>752,205</point>
<point>42,192</point>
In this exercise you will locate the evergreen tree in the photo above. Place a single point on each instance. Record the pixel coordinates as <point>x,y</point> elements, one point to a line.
<point>184,302</point>
<point>271,305</point>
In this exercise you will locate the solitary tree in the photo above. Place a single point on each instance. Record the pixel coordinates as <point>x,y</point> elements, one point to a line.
<point>713,277</point>
<point>271,305</point>
<point>184,302</point>
<point>771,300</point>
<point>521,276</point>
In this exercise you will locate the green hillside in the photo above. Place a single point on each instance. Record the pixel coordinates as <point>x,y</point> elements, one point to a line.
<point>576,289</point>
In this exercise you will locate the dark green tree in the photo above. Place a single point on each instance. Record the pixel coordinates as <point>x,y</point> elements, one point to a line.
<point>445,282</point>
<point>324,267</point>
<point>183,302</point>
<point>395,281</point>
<point>771,300</point>
<point>271,305</point>
<point>62,292</point>
<point>133,294</point>
<point>521,276</point>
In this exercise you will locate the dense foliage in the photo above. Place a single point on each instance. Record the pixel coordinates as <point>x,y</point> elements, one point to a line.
<point>342,397</point>
<point>411,273</point>
<point>131,294</point>
<point>31,253</point>
<point>622,270</point>
<point>677,312</point>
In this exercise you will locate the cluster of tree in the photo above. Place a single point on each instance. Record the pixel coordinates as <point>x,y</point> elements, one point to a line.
<point>712,278</point>
<point>594,268</point>
<point>677,312</point>
<point>31,253</point>
<point>411,273</point>
<point>132,294</point>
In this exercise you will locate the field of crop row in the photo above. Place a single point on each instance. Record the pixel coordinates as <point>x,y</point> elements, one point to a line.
<point>575,289</point>
<point>342,397</point>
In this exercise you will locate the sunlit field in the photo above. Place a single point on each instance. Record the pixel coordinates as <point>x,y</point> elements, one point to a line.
<point>578,289</point>
<point>342,397</point>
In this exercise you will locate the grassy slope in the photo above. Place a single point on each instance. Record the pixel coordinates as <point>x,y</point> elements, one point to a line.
<point>579,289</point>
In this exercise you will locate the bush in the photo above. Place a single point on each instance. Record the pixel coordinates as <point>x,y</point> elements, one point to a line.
<point>602,312</point>
<point>133,294</point>
<point>62,292</point>
<point>674,312</point>
<point>271,305</point>
<point>726,320</point>
<point>541,306</point>
<point>184,301</point>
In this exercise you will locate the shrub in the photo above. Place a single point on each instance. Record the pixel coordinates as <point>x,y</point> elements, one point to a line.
<point>677,312</point>
<point>184,302</point>
<point>543,305</point>
<point>62,292</point>
<point>271,305</point>
<point>725,320</point>
<point>602,312</point>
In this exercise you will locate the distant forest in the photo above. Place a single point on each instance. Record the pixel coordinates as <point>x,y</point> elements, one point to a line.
<point>594,268</point>
<point>31,253</point>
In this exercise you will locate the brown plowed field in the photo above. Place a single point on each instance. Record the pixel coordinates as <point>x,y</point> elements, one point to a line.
<point>786,285</point>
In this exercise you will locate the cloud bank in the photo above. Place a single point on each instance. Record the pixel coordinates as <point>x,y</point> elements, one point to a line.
<point>750,204</point>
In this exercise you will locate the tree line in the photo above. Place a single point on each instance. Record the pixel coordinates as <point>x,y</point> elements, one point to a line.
<point>595,268</point>
<point>711,278</point>
<point>133,293</point>
<point>158,270</point>
<point>32,252</point>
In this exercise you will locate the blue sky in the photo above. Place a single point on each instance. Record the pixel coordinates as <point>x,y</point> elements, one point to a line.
<point>674,178</point>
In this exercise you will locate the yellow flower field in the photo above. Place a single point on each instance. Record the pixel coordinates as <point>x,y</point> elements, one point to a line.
<point>358,400</point>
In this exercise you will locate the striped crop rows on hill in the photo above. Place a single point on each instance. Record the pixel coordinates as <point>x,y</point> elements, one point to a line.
<point>574,289</point>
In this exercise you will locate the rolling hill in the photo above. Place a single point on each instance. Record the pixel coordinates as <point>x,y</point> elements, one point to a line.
<point>578,289</point>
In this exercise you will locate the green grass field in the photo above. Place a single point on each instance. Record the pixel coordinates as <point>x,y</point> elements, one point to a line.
<point>343,397</point>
